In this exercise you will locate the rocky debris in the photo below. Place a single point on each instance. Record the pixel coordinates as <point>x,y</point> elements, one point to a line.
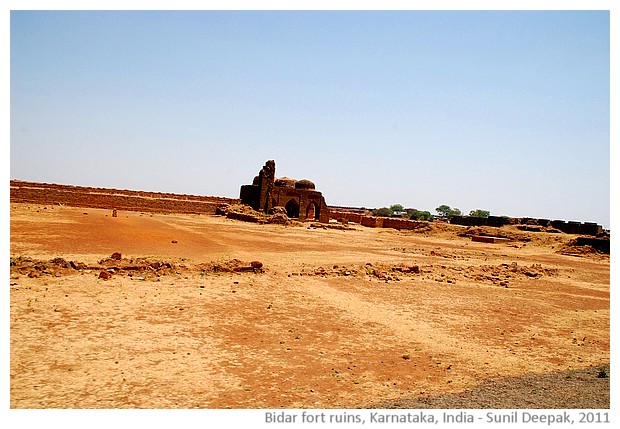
<point>413,269</point>
<point>279,218</point>
<point>380,271</point>
<point>335,270</point>
<point>105,275</point>
<point>138,268</point>
<point>502,274</point>
<point>584,246</point>
<point>222,209</point>
<point>33,269</point>
<point>246,213</point>
<point>439,254</point>
<point>532,228</point>
<point>231,266</point>
<point>60,262</point>
<point>574,250</point>
<point>277,210</point>
<point>487,231</point>
<point>340,226</point>
<point>78,265</point>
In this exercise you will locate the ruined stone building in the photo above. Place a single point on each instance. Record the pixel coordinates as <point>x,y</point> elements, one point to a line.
<point>298,197</point>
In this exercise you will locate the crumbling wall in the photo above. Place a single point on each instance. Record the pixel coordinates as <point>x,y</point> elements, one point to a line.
<point>83,196</point>
<point>402,223</point>
<point>373,222</point>
<point>346,216</point>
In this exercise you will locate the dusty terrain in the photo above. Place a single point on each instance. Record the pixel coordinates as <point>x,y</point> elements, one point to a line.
<point>330,318</point>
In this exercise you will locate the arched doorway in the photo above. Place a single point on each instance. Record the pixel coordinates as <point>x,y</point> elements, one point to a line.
<point>292,209</point>
<point>313,211</point>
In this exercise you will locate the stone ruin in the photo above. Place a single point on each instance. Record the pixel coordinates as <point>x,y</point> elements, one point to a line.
<point>298,198</point>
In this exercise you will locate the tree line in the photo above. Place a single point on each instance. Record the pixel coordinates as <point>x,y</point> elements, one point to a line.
<point>443,211</point>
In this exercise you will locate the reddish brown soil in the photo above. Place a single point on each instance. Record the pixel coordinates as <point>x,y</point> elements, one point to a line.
<point>333,318</point>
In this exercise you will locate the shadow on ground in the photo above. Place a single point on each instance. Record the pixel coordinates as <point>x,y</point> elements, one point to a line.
<point>583,389</point>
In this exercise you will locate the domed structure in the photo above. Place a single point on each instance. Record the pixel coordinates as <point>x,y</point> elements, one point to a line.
<point>299,198</point>
<point>304,184</point>
<point>285,182</point>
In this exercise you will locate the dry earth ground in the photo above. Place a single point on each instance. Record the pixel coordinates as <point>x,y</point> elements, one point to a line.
<point>336,319</point>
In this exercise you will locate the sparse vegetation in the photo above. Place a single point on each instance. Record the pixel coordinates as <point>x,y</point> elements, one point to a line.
<point>396,208</point>
<point>479,213</point>
<point>420,215</point>
<point>382,212</point>
<point>446,211</point>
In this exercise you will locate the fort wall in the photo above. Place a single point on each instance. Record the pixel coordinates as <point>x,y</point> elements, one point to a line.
<point>570,227</point>
<point>82,196</point>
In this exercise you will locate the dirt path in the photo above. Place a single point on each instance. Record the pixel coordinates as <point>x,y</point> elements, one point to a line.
<point>336,319</point>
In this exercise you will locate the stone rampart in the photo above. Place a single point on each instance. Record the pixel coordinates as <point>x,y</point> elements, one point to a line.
<point>78,196</point>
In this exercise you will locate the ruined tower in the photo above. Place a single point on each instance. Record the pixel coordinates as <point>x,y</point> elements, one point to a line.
<point>299,197</point>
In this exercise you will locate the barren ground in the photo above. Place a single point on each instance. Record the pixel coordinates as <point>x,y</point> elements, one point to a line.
<point>336,319</point>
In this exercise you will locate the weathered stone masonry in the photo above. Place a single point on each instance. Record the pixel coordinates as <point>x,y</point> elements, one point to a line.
<point>298,197</point>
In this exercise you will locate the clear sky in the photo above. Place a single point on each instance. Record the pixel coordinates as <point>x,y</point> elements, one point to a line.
<point>507,111</point>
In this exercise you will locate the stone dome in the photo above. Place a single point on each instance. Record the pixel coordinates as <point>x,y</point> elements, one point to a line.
<point>304,184</point>
<point>285,182</point>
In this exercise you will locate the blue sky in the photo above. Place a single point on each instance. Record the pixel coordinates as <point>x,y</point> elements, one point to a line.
<point>507,111</point>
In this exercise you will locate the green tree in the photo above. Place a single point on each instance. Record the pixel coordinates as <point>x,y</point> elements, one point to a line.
<point>443,210</point>
<point>479,213</point>
<point>397,208</point>
<point>420,215</point>
<point>446,211</point>
<point>383,212</point>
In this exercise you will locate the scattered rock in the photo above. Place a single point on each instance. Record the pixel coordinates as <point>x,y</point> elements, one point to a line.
<point>105,275</point>
<point>118,265</point>
<point>278,210</point>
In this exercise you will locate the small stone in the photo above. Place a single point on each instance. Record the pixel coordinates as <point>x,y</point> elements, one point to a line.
<point>104,275</point>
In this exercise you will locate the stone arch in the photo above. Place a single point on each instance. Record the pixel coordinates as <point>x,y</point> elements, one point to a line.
<point>313,211</point>
<point>292,208</point>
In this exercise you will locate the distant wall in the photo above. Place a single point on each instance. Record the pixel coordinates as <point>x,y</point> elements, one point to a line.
<point>375,221</point>
<point>402,223</point>
<point>81,196</point>
<point>345,216</point>
<point>571,227</point>
<point>600,244</point>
